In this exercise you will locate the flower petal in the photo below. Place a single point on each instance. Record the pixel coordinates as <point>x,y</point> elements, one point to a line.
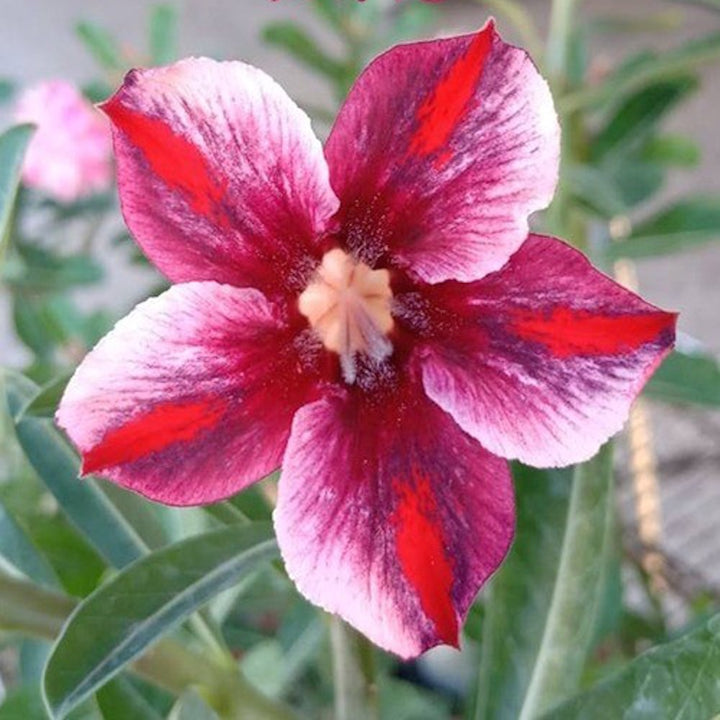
<point>390,516</point>
<point>544,357</point>
<point>190,398</point>
<point>221,177</point>
<point>440,153</point>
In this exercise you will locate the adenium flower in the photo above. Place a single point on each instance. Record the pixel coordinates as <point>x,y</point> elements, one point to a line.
<point>70,154</point>
<point>372,316</point>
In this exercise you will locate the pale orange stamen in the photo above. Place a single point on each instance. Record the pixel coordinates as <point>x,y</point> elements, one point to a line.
<point>348,305</point>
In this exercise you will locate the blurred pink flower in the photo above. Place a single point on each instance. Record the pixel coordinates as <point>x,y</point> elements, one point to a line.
<point>70,154</point>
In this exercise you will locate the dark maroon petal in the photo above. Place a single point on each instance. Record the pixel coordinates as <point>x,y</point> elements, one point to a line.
<point>190,398</point>
<point>541,361</point>
<point>391,516</point>
<point>441,152</point>
<point>220,175</point>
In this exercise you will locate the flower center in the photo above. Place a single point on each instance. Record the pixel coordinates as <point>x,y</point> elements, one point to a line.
<point>348,305</point>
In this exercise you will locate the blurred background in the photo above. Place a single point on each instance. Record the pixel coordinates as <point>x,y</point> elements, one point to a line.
<point>646,187</point>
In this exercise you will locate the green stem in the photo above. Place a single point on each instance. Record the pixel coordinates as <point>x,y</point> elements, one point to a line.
<point>558,43</point>
<point>353,673</point>
<point>32,610</point>
<point>571,619</point>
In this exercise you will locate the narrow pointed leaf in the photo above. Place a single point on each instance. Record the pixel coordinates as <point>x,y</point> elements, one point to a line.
<point>686,378</point>
<point>690,222</point>
<point>143,602</point>
<point>18,554</point>
<point>13,143</point>
<point>101,45</point>
<point>521,592</point>
<point>163,34</point>
<point>297,43</point>
<point>119,700</point>
<point>573,612</point>
<point>676,681</point>
<point>58,467</point>
<point>45,403</point>
<point>648,69</point>
<point>639,114</point>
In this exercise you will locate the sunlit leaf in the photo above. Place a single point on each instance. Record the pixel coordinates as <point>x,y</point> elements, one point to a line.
<point>144,601</point>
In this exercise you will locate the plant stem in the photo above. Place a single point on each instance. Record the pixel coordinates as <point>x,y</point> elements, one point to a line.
<point>558,43</point>
<point>353,673</point>
<point>571,619</point>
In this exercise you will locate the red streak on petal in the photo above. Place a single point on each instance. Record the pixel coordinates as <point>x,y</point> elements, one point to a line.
<point>173,158</point>
<point>442,110</point>
<point>567,332</point>
<point>422,555</point>
<point>164,425</point>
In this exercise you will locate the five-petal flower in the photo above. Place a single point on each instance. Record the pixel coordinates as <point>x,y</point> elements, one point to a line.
<point>375,318</point>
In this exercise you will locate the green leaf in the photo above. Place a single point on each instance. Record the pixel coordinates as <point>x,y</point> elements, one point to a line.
<point>101,45</point>
<point>143,602</point>
<point>596,190</point>
<point>13,143</point>
<point>635,180</point>
<point>297,43</point>
<point>58,466</point>
<point>18,551</point>
<point>638,114</point>
<point>37,323</point>
<point>676,681</point>
<point>405,701</point>
<point>521,593</point>
<point>687,223</point>
<point>41,269</point>
<point>272,666</point>
<point>710,4</point>
<point>686,378</point>
<point>573,613</point>
<point>671,150</point>
<point>645,70</point>
<point>45,403</point>
<point>72,558</point>
<point>119,700</point>
<point>163,34</point>
<point>190,706</point>
<point>7,89</point>
<point>24,703</point>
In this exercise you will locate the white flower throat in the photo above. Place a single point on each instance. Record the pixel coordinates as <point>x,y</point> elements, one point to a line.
<point>348,305</point>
